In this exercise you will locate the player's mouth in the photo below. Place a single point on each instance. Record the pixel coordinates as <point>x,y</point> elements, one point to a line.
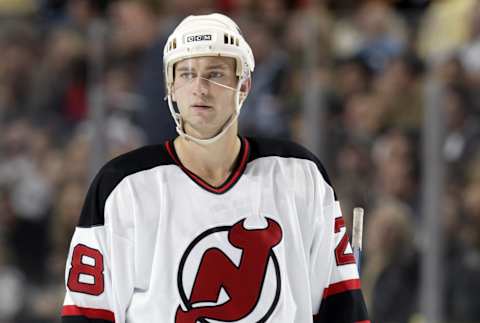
<point>200,106</point>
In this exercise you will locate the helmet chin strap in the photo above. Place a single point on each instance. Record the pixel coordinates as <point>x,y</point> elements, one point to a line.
<point>239,99</point>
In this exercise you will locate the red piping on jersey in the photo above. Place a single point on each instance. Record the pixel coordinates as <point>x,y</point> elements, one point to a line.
<point>91,313</point>
<point>229,182</point>
<point>367,321</point>
<point>341,287</point>
<point>339,223</point>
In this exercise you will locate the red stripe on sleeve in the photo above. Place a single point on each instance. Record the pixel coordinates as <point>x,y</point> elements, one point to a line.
<point>341,287</point>
<point>91,313</point>
<point>368,321</point>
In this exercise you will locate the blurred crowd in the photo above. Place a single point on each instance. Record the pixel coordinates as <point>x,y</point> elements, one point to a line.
<point>369,60</point>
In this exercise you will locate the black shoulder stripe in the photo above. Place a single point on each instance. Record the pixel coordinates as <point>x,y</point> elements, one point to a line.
<point>282,148</point>
<point>346,307</point>
<point>112,174</point>
<point>81,319</point>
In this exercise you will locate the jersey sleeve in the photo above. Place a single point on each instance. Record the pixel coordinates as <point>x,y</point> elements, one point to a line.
<point>99,275</point>
<point>336,288</point>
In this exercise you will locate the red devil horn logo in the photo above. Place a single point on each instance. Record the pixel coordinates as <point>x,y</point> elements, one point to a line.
<point>243,284</point>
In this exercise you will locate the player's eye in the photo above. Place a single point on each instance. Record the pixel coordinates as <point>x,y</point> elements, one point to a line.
<point>187,76</point>
<point>215,75</point>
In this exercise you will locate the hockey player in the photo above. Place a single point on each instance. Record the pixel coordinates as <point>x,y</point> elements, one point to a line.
<point>211,226</point>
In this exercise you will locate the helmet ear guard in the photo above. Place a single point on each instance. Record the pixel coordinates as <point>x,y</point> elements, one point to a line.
<point>245,88</point>
<point>208,35</point>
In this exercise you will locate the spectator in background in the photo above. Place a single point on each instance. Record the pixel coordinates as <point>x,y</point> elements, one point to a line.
<point>363,118</point>
<point>464,281</point>
<point>396,170</point>
<point>390,273</point>
<point>399,85</point>
<point>17,45</point>
<point>449,19</point>
<point>353,137</point>
<point>470,57</point>
<point>274,15</point>
<point>76,157</point>
<point>353,174</point>
<point>238,9</point>
<point>79,14</point>
<point>306,28</point>
<point>12,285</point>
<point>134,27</point>
<point>306,39</point>
<point>69,199</point>
<point>452,72</point>
<point>153,114</point>
<point>350,93</point>
<point>17,8</point>
<point>384,34</point>
<point>30,197</point>
<point>375,32</point>
<point>264,113</point>
<point>463,130</point>
<point>471,51</point>
<point>353,76</point>
<point>58,96</point>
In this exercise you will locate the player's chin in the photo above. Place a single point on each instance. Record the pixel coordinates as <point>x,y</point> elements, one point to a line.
<point>203,129</point>
<point>202,116</point>
<point>202,120</point>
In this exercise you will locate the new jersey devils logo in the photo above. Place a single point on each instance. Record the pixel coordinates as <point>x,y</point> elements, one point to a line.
<point>218,274</point>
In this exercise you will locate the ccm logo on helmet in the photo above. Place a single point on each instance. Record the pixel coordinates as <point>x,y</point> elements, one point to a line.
<point>194,38</point>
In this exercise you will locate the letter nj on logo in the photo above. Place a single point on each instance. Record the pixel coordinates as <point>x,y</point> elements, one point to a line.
<point>241,280</point>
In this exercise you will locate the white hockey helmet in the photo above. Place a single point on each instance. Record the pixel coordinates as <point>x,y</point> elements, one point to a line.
<point>207,35</point>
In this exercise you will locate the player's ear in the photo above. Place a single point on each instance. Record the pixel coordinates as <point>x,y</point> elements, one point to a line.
<point>245,88</point>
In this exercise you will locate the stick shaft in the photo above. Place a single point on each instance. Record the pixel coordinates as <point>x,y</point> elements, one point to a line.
<point>357,233</point>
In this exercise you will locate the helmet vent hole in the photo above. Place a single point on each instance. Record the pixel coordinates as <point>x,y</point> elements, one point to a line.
<point>231,40</point>
<point>225,38</point>
<point>174,43</point>
<point>236,42</point>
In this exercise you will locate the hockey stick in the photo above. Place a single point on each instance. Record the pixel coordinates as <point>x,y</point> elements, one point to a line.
<point>357,232</point>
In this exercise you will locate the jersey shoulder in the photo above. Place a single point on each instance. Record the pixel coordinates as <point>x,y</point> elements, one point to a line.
<point>263,147</point>
<point>139,159</point>
<point>112,173</point>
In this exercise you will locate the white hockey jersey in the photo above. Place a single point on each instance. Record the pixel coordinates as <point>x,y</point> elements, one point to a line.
<point>157,244</point>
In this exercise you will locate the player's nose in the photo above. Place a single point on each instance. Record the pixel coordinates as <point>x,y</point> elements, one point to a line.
<point>200,86</point>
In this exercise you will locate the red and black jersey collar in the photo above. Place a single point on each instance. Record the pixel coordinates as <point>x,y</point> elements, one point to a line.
<point>240,165</point>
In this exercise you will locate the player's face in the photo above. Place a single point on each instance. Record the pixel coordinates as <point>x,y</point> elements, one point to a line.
<point>204,102</point>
